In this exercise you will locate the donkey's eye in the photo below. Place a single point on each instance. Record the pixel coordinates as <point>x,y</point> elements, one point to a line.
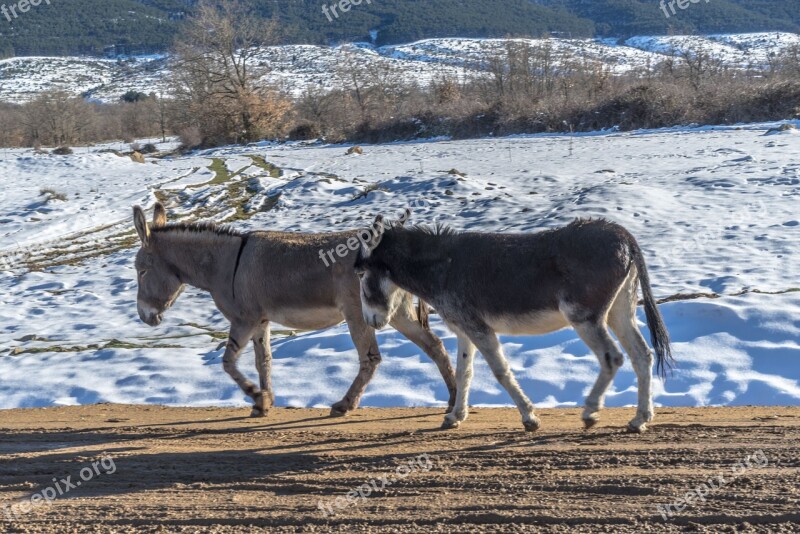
<point>142,273</point>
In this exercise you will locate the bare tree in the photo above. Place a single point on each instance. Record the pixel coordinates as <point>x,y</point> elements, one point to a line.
<point>140,118</point>
<point>218,78</point>
<point>11,119</point>
<point>789,62</point>
<point>56,118</point>
<point>522,72</point>
<point>162,115</point>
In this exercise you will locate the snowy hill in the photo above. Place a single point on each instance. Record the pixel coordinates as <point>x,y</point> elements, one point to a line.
<point>300,67</point>
<point>714,208</point>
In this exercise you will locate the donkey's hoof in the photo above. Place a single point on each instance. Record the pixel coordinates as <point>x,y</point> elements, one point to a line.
<point>454,419</point>
<point>532,426</point>
<point>450,425</point>
<point>258,412</point>
<point>339,410</point>
<point>635,428</point>
<point>590,422</point>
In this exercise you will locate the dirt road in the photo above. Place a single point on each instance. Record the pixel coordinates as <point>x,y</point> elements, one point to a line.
<point>130,469</point>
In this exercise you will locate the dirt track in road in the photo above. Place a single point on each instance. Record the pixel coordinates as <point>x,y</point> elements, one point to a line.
<point>212,470</point>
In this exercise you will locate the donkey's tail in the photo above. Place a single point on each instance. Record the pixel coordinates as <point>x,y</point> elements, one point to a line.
<point>659,336</point>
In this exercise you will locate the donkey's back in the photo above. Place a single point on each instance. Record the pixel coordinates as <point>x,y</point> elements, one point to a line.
<point>584,262</point>
<point>285,279</point>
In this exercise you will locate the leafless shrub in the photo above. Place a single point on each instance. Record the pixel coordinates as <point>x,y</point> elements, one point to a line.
<point>191,137</point>
<point>57,118</point>
<point>304,130</point>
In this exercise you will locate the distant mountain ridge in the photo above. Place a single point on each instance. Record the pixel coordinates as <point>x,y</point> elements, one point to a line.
<point>298,68</point>
<point>114,27</point>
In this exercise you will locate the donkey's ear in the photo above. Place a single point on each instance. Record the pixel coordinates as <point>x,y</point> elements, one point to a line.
<point>404,218</point>
<point>159,215</point>
<point>140,221</point>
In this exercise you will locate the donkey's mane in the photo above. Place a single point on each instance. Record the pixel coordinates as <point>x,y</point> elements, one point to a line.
<point>437,229</point>
<point>199,227</point>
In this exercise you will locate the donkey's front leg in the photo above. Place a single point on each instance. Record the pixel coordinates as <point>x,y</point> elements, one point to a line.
<point>466,357</point>
<point>425,339</point>
<point>261,342</point>
<point>239,336</point>
<point>369,357</point>
<point>492,350</point>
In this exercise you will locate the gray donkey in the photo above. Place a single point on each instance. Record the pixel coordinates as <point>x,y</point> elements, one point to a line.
<point>584,276</point>
<point>264,277</point>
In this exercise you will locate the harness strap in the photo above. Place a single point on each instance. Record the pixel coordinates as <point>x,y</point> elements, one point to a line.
<point>245,239</point>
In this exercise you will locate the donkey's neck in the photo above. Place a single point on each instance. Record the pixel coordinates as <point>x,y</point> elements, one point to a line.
<point>420,264</point>
<point>205,260</point>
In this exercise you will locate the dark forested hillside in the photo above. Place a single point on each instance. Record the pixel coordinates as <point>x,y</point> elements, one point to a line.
<point>98,27</point>
<point>623,18</point>
<point>408,20</point>
<point>67,27</point>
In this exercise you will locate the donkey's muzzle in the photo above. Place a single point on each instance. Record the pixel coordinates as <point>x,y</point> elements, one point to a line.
<point>150,318</point>
<point>154,320</point>
<point>375,321</point>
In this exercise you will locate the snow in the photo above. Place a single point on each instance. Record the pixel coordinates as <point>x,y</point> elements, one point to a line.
<point>714,208</point>
<point>739,50</point>
<point>300,68</point>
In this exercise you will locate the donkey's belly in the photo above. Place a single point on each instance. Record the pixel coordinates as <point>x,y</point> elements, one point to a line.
<point>531,324</point>
<point>307,319</point>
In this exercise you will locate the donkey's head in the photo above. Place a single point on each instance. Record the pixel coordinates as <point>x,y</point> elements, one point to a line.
<point>159,282</point>
<point>380,297</point>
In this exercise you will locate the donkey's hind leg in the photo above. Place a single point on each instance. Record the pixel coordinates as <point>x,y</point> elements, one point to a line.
<point>492,351</point>
<point>466,357</point>
<point>406,322</point>
<point>261,342</point>
<point>239,336</point>
<point>622,319</point>
<point>369,357</point>
<point>595,334</point>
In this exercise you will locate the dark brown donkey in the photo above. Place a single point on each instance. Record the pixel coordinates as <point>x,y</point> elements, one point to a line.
<point>264,277</point>
<point>585,276</point>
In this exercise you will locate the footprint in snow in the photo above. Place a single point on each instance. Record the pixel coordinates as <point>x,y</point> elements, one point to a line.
<point>746,159</point>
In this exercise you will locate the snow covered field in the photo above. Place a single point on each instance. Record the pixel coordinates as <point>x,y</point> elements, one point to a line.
<point>297,68</point>
<point>715,210</point>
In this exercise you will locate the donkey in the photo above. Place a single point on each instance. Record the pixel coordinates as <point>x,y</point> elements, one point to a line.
<point>262,277</point>
<point>585,276</point>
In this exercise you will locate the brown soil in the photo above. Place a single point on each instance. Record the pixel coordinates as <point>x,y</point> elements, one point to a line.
<point>211,470</point>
